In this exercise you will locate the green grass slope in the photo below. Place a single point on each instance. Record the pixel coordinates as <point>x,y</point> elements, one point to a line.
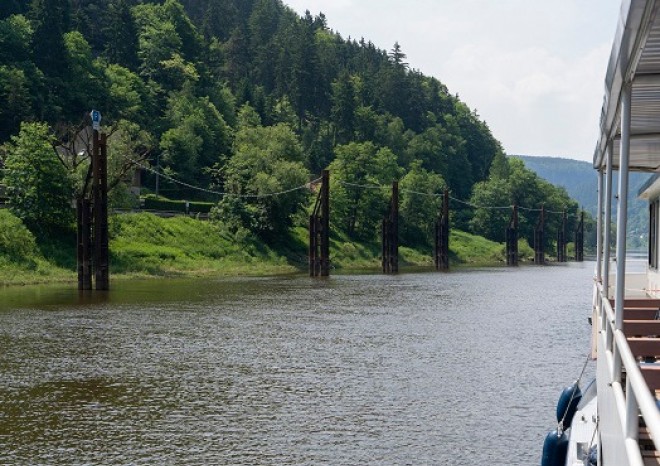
<point>144,245</point>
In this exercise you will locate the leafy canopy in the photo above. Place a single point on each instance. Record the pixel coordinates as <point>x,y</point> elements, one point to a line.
<point>39,187</point>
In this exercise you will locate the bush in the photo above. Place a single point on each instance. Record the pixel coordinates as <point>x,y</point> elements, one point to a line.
<point>38,185</point>
<point>159,203</point>
<point>17,243</point>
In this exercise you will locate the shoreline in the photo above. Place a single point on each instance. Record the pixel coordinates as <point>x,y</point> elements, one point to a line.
<point>263,270</point>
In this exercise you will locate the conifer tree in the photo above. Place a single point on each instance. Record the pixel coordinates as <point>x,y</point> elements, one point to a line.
<point>50,20</point>
<point>12,7</point>
<point>121,34</point>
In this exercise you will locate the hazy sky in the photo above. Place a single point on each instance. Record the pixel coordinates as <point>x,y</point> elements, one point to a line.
<point>534,70</point>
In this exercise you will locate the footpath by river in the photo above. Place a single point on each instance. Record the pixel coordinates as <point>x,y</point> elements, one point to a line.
<point>450,369</point>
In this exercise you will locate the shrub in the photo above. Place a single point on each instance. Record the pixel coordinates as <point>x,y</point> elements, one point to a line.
<point>17,243</point>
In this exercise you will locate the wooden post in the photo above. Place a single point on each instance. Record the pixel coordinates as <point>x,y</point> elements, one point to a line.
<point>319,231</point>
<point>562,240</point>
<point>385,245</point>
<point>395,227</point>
<point>84,239</point>
<point>564,234</point>
<point>539,237</point>
<point>512,239</point>
<point>313,246</point>
<point>100,196</point>
<point>441,254</point>
<point>579,240</point>
<point>79,242</point>
<point>87,245</point>
<point>390,234</point>
<point>325,223</point>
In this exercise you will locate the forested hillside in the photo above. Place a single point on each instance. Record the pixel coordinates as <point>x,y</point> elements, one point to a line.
<point>578,177</point>
<point>244,98</point>
<point>581,182</point>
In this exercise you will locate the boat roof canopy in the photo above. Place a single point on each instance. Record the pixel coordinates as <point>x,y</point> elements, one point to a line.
<point>635,59</point>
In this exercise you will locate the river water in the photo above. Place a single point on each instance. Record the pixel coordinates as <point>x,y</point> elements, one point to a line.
<point>462,368</point>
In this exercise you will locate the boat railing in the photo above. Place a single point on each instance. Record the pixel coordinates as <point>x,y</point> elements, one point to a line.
<point>636,399</point>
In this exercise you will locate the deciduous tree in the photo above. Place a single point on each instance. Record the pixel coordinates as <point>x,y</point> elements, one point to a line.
<point>39,187</point>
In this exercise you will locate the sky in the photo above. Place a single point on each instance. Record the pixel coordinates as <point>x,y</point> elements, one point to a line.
<point>533,70</point>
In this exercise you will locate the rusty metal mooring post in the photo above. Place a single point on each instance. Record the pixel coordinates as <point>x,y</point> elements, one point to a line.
<point>319,231</point>
<point>385,244</point>
<point>325,224</point>
<point>562,240</point>
<point>100,199</point>
<point>512,239</point>
<point>539,237</point>
<point>390,236</point>
<point>441,253</point>
<point>313,246</point>
<point>579,240</point>
<point>84,246</point>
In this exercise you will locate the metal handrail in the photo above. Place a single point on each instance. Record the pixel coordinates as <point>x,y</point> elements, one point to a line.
<point>638,397</point>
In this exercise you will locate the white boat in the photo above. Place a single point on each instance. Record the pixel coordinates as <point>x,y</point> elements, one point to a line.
<point>622,422</point>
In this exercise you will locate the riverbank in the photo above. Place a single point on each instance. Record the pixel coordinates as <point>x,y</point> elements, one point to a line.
<point>143,245</point>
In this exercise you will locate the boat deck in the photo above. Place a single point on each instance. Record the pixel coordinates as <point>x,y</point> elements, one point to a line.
<point>641,326</point>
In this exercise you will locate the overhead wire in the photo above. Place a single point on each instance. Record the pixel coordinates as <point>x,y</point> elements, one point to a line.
<point>344,183</point>
<point>460,201</point>
<point>221,193</point>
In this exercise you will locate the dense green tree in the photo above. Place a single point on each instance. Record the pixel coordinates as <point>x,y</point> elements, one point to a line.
<point>89,18</point>
<point>15,40</point>
<point>129,97</point>
<point>489,219</point>
<point>85,86</point>
<point>237,59</point>
<point>17,243</point>
<point>419,205</point>
<point>192,45</point>
<point>480,145</point>
<point>121,33</point>
<point>219,20</point>
<point>442,151</point>
<point>319,143</point>
<point>525,189</point>
<point>361,181</point>
<point>12,7</point>
<point>263,24</point>
<point>39,187</point>
<point>267,164</point>
<point>21,83</point>
<point>16,98</point>
<point>197,139</point>
<point>393,84</point>
<point>344,104</point>
<point>160,48</point>
<point>499,168</point>
<point>367,123</point>
<point>129,147</point>
<point>50,20</point>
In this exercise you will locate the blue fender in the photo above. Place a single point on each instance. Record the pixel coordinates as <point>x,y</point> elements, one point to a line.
<point>555,448</point>
<point>567,405</point>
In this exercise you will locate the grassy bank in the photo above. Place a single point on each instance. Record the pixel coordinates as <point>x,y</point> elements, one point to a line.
<point>144,245</point>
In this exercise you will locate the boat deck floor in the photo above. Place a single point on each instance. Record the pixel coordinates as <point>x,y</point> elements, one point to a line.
<point>641,325</point>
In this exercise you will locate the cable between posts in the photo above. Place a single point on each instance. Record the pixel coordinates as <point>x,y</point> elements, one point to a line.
<point>344,183</point>
<point>219,193</point>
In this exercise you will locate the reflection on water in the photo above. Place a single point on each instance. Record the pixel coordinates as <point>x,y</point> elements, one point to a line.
<point>459,369</point>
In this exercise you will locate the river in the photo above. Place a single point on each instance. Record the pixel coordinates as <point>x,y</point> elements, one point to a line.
<point>463,368</point>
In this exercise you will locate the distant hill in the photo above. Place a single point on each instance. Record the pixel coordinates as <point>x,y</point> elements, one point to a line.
<point>577,177</point>
<point>581,182</point>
